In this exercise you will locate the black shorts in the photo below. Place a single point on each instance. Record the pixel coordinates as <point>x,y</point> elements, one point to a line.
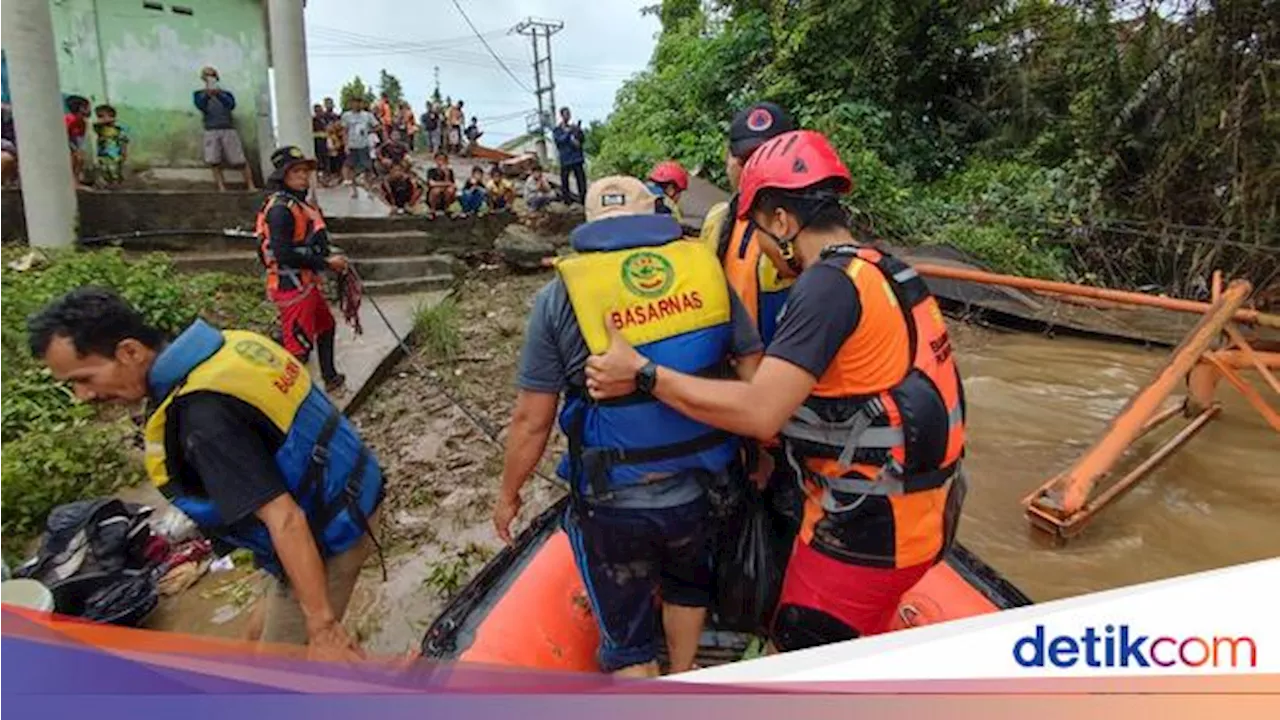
<point>625,556</point>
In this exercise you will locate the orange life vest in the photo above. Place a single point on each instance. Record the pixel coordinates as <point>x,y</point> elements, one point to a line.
<point>308,224</point>
<point>881,436</point>
<point>753,277</point>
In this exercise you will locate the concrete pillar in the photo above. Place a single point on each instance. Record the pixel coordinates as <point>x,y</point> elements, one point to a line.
<point>48,197</point>
<point>289,61</point>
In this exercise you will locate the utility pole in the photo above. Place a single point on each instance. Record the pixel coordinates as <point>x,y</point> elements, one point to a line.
<point>542,55</point>
<point>436,71</point>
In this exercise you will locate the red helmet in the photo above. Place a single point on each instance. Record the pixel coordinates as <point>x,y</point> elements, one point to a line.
<point>791,161</point>
<point>670,171</point>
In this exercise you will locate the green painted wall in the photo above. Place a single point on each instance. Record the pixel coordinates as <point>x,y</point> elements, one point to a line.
<point>146,62</point>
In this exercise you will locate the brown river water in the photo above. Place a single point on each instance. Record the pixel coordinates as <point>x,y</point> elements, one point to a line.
<point>1035,404</point>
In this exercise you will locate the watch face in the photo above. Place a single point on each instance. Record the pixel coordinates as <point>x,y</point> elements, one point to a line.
<point>646,378</point>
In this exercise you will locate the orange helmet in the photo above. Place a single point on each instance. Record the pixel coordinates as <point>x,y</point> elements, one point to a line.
<point>791,161</point>
<point>670,171</point>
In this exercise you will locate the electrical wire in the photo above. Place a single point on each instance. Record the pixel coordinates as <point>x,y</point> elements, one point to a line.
<point>484,42</point>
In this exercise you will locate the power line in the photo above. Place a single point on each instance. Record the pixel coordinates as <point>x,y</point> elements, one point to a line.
<point>350,44</point>
<point>484,42</point>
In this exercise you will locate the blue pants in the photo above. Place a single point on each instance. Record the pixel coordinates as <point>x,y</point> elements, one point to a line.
<point>472,199</point>
<point>626,556</point>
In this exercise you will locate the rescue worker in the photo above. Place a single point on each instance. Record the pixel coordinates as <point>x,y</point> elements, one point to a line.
<point>859,382</point>
<point>668,180</point>
<point>761,286</point>
<point>294,247</point>
<point>636,469</point>
<point>240,440</point>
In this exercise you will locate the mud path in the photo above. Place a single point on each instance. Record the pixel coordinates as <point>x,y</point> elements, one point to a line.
<point>443,472</point>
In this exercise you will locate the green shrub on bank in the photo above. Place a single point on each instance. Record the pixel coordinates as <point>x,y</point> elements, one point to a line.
<point>57,449</point>
<point>61,464</point>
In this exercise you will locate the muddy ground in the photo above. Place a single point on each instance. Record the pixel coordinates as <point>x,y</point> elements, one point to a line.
<point>443,471</point>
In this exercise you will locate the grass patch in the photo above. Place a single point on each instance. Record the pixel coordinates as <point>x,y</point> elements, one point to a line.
<point>449,576</point>
<point>438,329</point>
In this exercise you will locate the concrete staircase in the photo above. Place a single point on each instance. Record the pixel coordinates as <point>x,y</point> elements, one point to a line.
<point>387,267</point>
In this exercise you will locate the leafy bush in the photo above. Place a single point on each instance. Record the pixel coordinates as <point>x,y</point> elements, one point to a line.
<point>60,464</point>
<point>56,449</point>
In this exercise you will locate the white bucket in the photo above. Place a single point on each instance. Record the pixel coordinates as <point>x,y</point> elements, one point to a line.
<point>27,594</point>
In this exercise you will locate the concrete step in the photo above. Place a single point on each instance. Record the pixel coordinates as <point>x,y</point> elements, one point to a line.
<point>457,237</point>
<point>402,267</point>
<point>490,224</point>
<point>402,286</point>
<point>239,262</point>
<point>397,267</point>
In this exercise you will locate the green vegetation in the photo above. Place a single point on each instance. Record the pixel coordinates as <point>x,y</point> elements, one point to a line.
<point>1047,138</point>
<point>355,89</point>
<point>438,329</point>
<point>389,85</point>
<point>448,576</point>
<point>58,450</point>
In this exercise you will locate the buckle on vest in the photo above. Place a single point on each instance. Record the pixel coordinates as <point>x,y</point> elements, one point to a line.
<point>320,455</point>
<point>596,463</point>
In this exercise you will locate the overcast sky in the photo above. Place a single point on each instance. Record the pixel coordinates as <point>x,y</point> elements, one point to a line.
<point>602,43</point>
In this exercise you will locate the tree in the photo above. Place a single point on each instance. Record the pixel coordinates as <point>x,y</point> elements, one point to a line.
<point>389,85</point>
<point>355,89</point>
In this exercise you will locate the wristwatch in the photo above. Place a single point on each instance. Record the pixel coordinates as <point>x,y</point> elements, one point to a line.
<point>647,378</point>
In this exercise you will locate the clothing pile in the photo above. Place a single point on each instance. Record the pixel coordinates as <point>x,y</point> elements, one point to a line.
<point>97,558</point>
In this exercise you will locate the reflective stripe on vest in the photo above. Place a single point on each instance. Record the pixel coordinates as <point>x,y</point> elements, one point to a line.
<point>671,302</point>
<point>308,222</point>
<point>874,421</point>
<point>326,467</point>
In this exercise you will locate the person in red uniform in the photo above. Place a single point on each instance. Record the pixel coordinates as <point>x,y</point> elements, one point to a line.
<point>860,384</point>
<point>295,249</point>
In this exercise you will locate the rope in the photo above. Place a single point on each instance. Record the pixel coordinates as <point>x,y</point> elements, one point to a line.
<point>480,423</point>
<point>350,296</point>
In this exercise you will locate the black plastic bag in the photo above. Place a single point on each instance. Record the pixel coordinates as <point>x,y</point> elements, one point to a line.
<point>748,568</point>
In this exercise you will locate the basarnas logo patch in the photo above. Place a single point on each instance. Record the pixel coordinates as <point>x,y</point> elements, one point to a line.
<point>647,274</point>
<point>257,353</point>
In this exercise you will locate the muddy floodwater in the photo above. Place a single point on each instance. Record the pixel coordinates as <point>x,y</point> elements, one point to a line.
<point>1035,404</point>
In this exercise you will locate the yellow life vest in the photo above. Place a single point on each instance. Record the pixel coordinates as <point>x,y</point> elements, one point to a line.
<point>325,465</point>
<point>669,298</point>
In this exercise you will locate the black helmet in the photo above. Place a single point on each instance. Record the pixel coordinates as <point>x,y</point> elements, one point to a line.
<point>286,157</point>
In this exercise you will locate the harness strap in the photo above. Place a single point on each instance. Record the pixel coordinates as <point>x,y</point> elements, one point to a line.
<point>312,482</point>
<point>597,462</point>
<point>350,501</point>
<point>849,436</point>
<point>889,482</point>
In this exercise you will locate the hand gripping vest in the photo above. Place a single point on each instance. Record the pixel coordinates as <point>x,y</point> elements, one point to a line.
<point>669,298</point>
<point>903,439</point>
<point>751,275</point>
<point>327,468</point>
<point>308,225</point>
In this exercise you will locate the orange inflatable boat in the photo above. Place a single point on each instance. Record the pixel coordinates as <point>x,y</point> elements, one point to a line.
<point>528,608</point>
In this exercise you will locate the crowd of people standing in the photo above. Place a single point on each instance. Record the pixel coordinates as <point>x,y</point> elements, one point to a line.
<point>372,145</point>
